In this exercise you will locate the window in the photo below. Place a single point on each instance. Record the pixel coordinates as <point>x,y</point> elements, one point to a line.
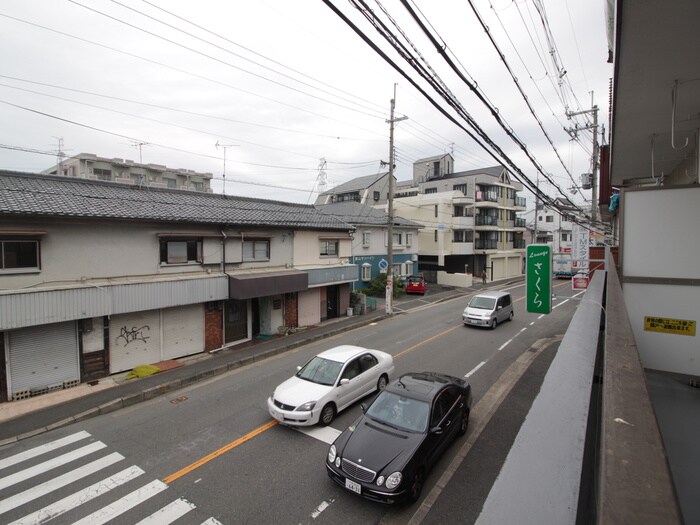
<point>409,268</point>
<point>376,195</point>
<point>180,251</point>
<point>367,361</point>
<point>430,190</point>
<point>409,239</point>
<point>398,239</point>
<point>366,272</point>
<point>396,269</point>
<point>435,236</point>
<point>102,174</point>
<point>460,187</point>
<point>19,254</point>
<point>256,250</point>
<point>329,248</point>
<point>366,237</point>
<point>436,210</point>
<point>550,218</point>
<point>171,183</point>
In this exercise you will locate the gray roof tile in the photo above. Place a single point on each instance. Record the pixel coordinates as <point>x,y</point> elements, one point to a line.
<point>28,194</point>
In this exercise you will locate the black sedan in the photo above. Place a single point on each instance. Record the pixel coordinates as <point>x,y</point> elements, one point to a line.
<point>387,452</point>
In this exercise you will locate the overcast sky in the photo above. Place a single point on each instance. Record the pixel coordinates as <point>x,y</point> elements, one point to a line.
<point>284,84</point>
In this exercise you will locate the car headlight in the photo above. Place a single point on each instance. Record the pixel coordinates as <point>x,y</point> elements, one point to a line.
<point>393,481</point>
<point>306,406</point>
<point>331,454</point>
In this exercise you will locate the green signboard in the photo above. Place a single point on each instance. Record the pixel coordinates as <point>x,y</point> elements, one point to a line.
<point>538,278</point>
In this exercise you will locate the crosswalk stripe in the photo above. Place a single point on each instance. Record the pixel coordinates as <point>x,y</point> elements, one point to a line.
<point>78,498</point>
<point>61,481</point>
<point>50,464</point>
<point>122,505</point>
<point>325,434</point>
<point>43,449</point>
<point>212,521</point>
<point>169,513</point>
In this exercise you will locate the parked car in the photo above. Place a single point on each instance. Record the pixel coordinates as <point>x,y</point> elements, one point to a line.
<point>329,383</point>
<point>415,284</point>
<point>489,309</point>
<point>387,452</point>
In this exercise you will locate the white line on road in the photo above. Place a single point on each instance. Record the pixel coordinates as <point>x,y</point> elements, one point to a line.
<point>560,304</point>
<point>212,521</point>
<point>325,434</point>
<point>169,513</point>
<point>475,368</point>
<point>43,449</point>
<point>61,481</point>
<point>323,506</point>
<point>78,498</point>
<point>124,504</point>
<point>509,341</point>
<point>50,464</point>
<point>522,330</point>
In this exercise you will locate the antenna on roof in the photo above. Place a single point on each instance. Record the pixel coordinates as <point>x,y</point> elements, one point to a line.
<point>139,145</point>
<point>224,146</point>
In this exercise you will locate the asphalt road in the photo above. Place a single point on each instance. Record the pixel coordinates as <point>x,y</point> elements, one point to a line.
<point>216,448</point>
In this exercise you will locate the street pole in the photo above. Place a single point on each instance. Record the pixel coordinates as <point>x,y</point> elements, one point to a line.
<point>390,210</point>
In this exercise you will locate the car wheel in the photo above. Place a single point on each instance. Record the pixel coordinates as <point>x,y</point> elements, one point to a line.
<point>416,486</point>
<point>510,318</point>
<point>381,383</point>
<point>464,423</point>
<point>327,415</point>
<point>493,324</point>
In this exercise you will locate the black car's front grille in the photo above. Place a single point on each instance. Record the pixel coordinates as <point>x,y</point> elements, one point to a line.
<point>358,472</point>
<point>283,406</point>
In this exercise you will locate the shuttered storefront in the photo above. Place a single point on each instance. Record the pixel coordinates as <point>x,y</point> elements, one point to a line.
<point>183,331</point>
<point>134,340</point>
<point>42,358</point>
<point>145,338</point>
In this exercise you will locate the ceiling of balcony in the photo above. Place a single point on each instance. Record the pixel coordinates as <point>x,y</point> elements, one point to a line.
<point>657,49</point>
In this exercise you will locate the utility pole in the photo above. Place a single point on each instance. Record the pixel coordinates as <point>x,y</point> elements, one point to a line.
<point>224,146</point>
<point>594,160</point>
<point>390,209</point>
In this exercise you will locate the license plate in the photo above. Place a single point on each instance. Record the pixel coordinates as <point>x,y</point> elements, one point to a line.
<point>351,485</point>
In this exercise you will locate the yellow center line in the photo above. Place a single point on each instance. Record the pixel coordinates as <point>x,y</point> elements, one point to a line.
<point>206,459</point>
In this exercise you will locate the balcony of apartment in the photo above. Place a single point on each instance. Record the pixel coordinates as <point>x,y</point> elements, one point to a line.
<point>486,244</point>
<point>462,222</point>
<point>592,435</point>
<point>486,221</point>
<point>520,223</point>
<point>486,196</point>
<point>461,248</point>
<point>521,202</point>
<point>519,244</point>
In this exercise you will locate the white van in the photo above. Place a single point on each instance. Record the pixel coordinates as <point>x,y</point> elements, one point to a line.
<point>488,309</point>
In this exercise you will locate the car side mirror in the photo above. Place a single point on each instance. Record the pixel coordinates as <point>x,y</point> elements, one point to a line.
<point>363,407</point>
<point>344,381</point>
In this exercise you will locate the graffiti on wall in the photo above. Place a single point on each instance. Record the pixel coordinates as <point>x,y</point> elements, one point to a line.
<point>129,335</point>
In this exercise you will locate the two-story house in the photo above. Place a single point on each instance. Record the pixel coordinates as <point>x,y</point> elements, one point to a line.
<point>470,218</point>
<point>370,190</point>
<point>90,166</point>
<point>552,225</point>
<point>97,277</point>
<point>370,240</point>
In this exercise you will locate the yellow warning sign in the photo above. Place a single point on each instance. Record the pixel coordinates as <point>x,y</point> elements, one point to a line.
<point>669,326</point>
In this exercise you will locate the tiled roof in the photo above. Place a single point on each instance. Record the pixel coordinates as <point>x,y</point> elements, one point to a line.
<point>359,214</point>
<point>28,194</point>
<point>357,184</point>
<point>493,171</point>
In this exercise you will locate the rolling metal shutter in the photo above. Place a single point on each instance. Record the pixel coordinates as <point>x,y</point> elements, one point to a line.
<point>42,358</point>
<point>183,331</point>
<point>134,340</point>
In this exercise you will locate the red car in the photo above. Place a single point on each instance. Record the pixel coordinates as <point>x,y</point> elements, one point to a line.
<point>415,284</point>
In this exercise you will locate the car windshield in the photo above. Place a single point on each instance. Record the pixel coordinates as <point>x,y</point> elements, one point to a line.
<point>400,412</point>
<point>321,371</point>
<point>484,303</point>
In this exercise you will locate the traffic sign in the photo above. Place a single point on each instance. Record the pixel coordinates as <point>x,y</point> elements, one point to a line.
<point>538,278</point>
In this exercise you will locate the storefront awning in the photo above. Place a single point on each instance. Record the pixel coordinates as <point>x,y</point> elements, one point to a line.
<point>247,286</point>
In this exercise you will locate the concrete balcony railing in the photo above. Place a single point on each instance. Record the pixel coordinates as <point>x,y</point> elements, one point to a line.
<point>590,449</point>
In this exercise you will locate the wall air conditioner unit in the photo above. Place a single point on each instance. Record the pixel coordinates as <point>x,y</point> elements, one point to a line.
<point>586,181</point>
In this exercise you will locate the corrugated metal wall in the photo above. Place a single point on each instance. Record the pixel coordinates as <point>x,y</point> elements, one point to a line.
<point>31,308</point>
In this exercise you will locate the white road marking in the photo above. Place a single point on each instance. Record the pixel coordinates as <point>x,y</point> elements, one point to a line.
<point>325,434</point>
<point>56,483</point>
<point>43,449</point>
<point>78,498</point>
<point>124,504</point>
<point>522,330</point>
<point>50,464</point>
<point>475,368</point>
<point>533,322</point>
<point>323,506</point>
<point>509,341</point>
<point>169,513</point>
<point>212,521</point>
<point>560,304</point>
<point>540,317</point>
